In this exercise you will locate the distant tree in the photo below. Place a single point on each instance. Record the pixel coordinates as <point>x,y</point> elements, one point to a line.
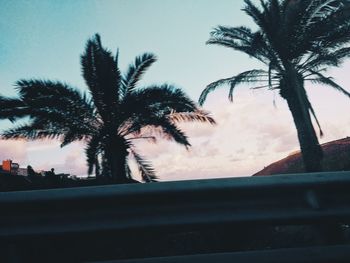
<point>51,173</point>
<point>298,40</point>
<point>30,172</point>
<point>109,118</point>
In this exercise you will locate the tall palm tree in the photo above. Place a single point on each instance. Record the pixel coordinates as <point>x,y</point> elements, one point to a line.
<point>297,40</point>
<point>109,118</point>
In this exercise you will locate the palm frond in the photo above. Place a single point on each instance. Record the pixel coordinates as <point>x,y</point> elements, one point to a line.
<point>145,168</point>
<point>102,77</point>
<point>241,33</point>
<point>329,32</point>
<point>116,58</point>
<point>45,93</point>
<point>57,103</point>
<point>199,116</point>
<point>311,109</point>
<point>158,125</point>
<point>137,69</point>
<point>12,108</point>
<point>142,135</point>
<point>128,173</point>
<point>174,133</point>
<point>211,87</point>
<point>34,88</point>
<point>231,43</point>
<point>92,152</point>
<point>149,132</point>
<point>319,9</point>
<point>250,76</point>
<point>254,44</point>
<point>334,58</point>
<point>307,104</point>
<point>156,100</point>
<point>31,132</point>
<point>320,78</point>
<point>254,12</point>
<point>73,135</point>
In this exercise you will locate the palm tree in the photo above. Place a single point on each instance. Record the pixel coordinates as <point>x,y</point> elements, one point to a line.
<point>109,118</point>
<point>297,40</point>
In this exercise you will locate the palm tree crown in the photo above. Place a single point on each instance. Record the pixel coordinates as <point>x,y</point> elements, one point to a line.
<point>109,118</point>
<point>297,40</point>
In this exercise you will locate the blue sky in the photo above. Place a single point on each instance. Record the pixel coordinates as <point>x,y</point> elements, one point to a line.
<point>44,39</point>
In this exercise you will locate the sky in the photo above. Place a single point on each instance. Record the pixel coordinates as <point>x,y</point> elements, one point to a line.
<point>44,39</point>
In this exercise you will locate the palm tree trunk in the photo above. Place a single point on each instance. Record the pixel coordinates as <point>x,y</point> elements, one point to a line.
<point>294,93</point>
<point>118,166</point>
<point>116,154</point>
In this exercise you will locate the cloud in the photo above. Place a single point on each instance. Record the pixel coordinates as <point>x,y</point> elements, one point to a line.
<point>48,154</point>
<point>73,164</point>
<point>13,149</point>
<point>240,151</point>
<point>233,160</point>
<point>286,143</point>
<point>250,134</point>
<point>198,130</point>
<point>42,145</point>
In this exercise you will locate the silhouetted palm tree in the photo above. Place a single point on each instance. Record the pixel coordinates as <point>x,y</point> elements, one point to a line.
<point>297,40</point>
<point>109,118</point>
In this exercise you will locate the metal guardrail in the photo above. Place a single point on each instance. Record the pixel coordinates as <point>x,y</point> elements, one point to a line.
<point>283,199</point>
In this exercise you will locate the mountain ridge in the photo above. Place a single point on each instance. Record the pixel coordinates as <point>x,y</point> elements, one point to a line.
<point>336,158</point>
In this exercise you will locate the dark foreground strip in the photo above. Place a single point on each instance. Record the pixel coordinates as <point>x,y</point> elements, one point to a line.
<point>60,218</point>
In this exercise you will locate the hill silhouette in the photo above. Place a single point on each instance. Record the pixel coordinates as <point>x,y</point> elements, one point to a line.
<point>336,158</point>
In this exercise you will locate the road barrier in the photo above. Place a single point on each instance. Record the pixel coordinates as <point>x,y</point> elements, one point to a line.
<point>76,213</point>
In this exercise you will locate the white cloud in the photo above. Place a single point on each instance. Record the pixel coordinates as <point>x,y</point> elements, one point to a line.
<point>70,159</point>
<point>42,145</point>
<point>251,133</point>
<point>73,164</point>
<point>14,150</point>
